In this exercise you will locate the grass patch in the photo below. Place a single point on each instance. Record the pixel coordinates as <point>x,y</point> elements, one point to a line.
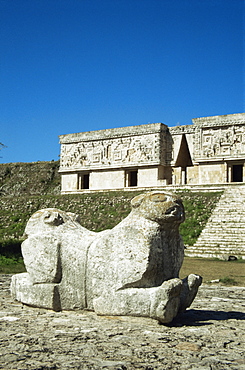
<point>227,272</point>
<point>228,281</point>
<point>10,248</point>
<point>11,265</point>
<point>99,211</point>
<point>198,209</point>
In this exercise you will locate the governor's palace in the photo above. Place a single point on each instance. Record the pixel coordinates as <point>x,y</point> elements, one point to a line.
<point>209,151</point>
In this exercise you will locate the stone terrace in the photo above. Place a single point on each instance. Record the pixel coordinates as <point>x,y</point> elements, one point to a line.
<point>224,234</point>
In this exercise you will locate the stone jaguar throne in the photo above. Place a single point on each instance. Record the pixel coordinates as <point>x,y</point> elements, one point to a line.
<point>132,269</point>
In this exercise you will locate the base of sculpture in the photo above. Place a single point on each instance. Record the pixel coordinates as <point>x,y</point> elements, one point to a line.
<point>161,303</point>
<point>131,269</point>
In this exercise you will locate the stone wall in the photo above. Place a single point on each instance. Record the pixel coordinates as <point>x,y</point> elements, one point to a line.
<point>210,151</point>
<point>115,158</point>
<point>115,148</point>
<point>220,137</point>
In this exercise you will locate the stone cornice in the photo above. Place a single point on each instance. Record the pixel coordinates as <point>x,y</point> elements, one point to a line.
<point>113,133</point>
<point>178,130</point>
<point>217,121</point>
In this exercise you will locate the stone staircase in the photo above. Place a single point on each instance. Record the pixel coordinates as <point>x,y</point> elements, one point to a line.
<point>224,233</point>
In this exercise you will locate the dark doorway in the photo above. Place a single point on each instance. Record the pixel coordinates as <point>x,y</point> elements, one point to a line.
<point>133,178</point>
<point>183,175</point>
<point>183,159</point>
<point>83,181</point>
<point>237,170</point>
<point>86,181</point>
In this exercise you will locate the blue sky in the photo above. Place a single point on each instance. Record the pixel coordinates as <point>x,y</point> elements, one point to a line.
<point>78,65</point>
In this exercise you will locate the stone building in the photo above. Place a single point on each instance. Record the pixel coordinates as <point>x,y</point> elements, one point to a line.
<point>210,151</point>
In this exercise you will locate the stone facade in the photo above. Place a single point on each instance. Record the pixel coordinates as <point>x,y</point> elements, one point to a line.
<point>210,151</point>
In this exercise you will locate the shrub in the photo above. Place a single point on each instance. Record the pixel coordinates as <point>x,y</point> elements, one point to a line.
<point>228,281</point>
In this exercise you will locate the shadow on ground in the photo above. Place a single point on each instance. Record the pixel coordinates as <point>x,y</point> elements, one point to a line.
<point>200,317</point>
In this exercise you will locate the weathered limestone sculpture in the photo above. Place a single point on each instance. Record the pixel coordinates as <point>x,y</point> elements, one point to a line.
<point>132,269</point>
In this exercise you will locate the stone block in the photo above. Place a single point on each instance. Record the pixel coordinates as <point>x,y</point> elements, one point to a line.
<point>37,295</point>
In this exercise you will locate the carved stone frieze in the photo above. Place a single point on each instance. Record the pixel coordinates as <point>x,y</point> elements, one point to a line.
<point>156,147</point>
<point>116,151</point>
<point>221,141</point>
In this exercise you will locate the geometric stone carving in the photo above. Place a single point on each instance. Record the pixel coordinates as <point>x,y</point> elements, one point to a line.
<point>127,146</point>
<point>107,152</point>
<point>132,269</point>
<point>220,137</point>
<point>225,141</point>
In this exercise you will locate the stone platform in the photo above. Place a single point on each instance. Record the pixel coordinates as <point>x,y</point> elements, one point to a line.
<point>224,233</point>
<point>209,335</point>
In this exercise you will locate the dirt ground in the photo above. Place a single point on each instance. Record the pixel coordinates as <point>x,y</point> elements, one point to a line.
<point>214,269</point>
<point>208,336</point>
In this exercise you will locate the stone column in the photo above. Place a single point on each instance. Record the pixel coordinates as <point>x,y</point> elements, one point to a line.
<point>229,172</point>
<point>173,179</point>
<point>243,173</point>
<point>226,175</point>
<point>183,175</point>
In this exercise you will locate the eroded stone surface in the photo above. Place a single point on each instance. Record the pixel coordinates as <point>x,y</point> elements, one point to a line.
<point>210,335</point>
<point>132,269</point>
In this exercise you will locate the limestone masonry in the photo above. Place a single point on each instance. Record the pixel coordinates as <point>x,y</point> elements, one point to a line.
<point>210,151</point>
<point>132,269</point>
<point>224,233</point>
